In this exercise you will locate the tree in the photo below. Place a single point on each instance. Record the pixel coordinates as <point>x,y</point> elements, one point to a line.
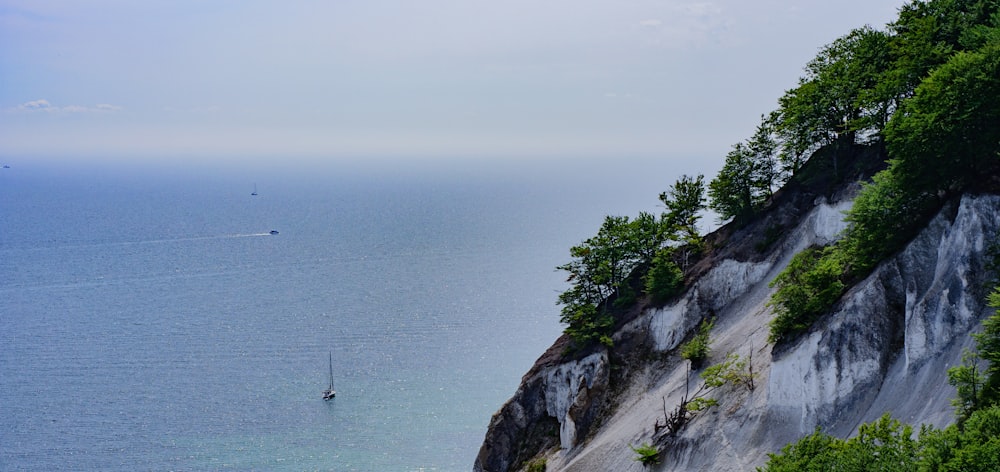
<point>646,237</point>
<point>928,33</point>
<point>845,97</point>
<point>749,176</point>
<point>974,446</point>
<point>812,453</point>
<point>763,148</point>
<point>733,193</point>
<point>685,200</point>
<point>968,380</point>
<point>798,124</point>
<point>988,346</point>
<point>599,269</point>
<point>946,137</point>
<point>665,278</point>
<point>882,445</point>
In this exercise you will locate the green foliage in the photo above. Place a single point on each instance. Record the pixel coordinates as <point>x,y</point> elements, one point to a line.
<point>692,403</point>
<point>927,88</point>
<point>888,445</point>
<point>743,185</point>
<point>734,370</point>
<point>972,447</point>
<point>599,269</point>
<point>536,465</point>
<point>812,453</point>
<point>846,96</point>
<point>685,200</point>
<point>886,214</point>
<point>604,268</point>
<point>697,349</point>
<point>716,375</point>
<point>841,92</point>
<point>647,454</point>
<point>968,380</point>
<point>977,386</point>
<point>988,346</point>
<point>585,323</point>
<point>927,33</point>
<point>701,403</point>
<point>972,444</point>
<point>883,445</point>
<point>807,288</point>
<point>664,279</point>
<point>946,137</point>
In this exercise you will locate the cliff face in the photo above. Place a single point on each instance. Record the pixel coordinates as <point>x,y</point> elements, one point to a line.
<point>885,348</point>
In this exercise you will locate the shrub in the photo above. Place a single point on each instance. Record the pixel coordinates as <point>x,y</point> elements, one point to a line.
<point>536,465</point>
<point>807,288</point>
<point>886,214</point>
<point>647,454</point>
<point>882,445</point>
<point>697,349</point>
<point>586,323</point>
<point>735,370</point>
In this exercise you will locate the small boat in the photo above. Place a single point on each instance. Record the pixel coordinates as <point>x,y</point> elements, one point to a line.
<point>274,231</point>
<point>254,189</point>
<point>330,392</point>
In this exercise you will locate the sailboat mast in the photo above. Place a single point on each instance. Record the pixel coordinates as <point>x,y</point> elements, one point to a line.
<point>331,370</point>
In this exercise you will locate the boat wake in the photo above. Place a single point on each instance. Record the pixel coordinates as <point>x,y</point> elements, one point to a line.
<point>202,238</point>
<point>83,244</point>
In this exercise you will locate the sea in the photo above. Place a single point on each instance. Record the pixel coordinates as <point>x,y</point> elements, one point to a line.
<point>151,319</point>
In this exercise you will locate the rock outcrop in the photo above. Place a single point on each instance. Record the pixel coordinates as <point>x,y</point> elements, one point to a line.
<point>885,348</point>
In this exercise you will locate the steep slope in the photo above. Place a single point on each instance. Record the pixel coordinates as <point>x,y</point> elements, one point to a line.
<point>885,347</point>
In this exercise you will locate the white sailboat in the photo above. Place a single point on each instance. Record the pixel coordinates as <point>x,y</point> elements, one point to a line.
<point>330,392</point>
<point>254,189</point>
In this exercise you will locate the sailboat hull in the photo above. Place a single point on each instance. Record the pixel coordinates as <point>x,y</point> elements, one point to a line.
<point>330,392</point>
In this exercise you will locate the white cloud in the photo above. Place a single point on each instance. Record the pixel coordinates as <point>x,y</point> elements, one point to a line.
<point>44,106</point>
<point>36,105</point>
<point>653,23</point>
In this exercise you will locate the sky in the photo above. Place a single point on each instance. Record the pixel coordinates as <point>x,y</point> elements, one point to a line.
<point>463,79</point>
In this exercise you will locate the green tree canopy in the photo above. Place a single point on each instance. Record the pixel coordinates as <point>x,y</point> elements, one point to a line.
<point>947,136</point>
<point>685,200</point>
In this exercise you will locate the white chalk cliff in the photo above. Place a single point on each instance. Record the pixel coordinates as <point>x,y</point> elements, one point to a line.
<point>885,348</point>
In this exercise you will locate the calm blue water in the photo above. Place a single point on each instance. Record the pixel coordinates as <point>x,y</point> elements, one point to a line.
<point>148,321</point>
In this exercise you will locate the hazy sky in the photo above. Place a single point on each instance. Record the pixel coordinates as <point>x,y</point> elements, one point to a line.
<point>328,79</point>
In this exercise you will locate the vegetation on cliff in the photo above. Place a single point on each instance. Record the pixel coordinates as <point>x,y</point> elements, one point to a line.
<point>925,90</point>
<point>603,266</point>
<point>922,96</point>
<point>923,93</point>
<point>973,443</point>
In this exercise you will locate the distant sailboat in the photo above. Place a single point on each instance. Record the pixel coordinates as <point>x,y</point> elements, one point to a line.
<point>254,189</point>
<point>330,392</point>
